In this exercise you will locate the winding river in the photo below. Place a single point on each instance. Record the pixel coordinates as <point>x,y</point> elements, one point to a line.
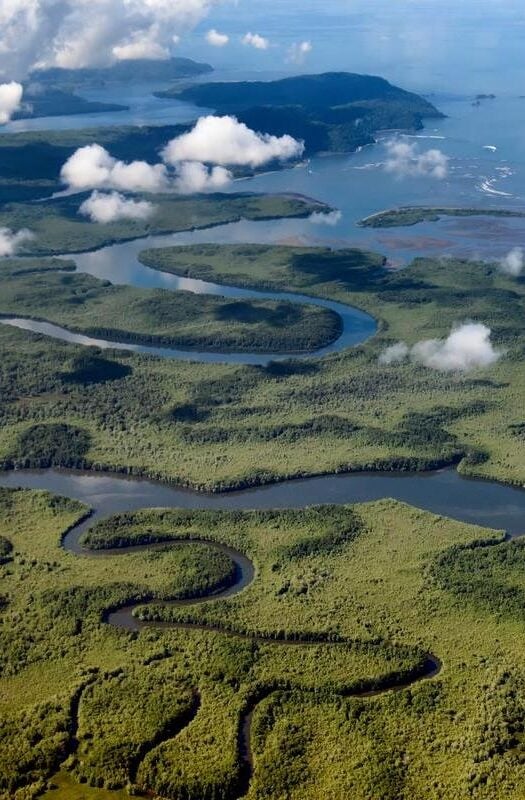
<point>443,492</point>
<point>120,264</point>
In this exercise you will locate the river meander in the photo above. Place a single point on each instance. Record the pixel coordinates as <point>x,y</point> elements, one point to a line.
<point>120,264</point>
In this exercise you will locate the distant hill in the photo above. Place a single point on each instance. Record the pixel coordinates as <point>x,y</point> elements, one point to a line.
<point>334,111</point>
<point>49,102</point>
<point>51,92</point>
<point>143,69</point>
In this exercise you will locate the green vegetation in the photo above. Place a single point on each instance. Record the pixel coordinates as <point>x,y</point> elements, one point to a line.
<point>59,229</point>
<point>490,578</point>
<point>89,367</point>
<point>221,426</point>
<point>313,270</point>
<point>374,586</point>
<point>54,645</point>
<point>6,548</point>
<point>335,111</point>
<point>413,215</point>
<point>46,445</point>
<point>162,317</point>
<point>65,787</point>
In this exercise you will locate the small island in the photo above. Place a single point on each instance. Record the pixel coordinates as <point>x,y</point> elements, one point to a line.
<point>413,215</point>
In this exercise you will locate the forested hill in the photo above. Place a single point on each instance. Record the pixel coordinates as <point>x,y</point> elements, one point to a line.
<point>330,89</point>
<point>51,102</point>
<point>334,111</point>
<point>144,69</point>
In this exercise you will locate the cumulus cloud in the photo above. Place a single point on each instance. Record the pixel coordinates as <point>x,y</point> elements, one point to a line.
<point>217,39</point>
<point>81,33</point>
<point>395,354</point>
<point>10,241</point>
<point>405,159</point>
<point>92,167</point>
<point>331,218</point>
<point>112,207</point>
<point>192,176</point>
<point>141,45</point>
<point>467,347</point>
<point>298,51</point>
<point>255,40</point>
<point>226,141</point>
<point>10,99</point>
<point>513,263</point>
<point>194,162</point>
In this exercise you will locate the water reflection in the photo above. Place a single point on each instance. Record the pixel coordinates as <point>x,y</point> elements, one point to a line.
<point>483,503</point>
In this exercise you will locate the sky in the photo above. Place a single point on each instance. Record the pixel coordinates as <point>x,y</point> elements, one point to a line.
<point>440,45</point>
<point>435,45</point>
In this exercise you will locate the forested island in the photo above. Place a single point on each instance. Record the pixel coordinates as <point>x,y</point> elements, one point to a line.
<point>331,112</point>
<point>413,215</point>
<point>60,229</point>
<point>53,102</point>
<point>125,71</point>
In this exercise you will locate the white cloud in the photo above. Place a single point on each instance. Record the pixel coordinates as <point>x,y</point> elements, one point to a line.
<point>513,263</point>
<point>331,218</point>
<point>467,347</point>
<point>298,51</point>
<point>141,45</point>
<point>196,177</point>
<point>11,241</point>
<point>112,207</point>
<point>226,141</point>
<point>394,354</point>
<point>80,33</point>
<point>404,159</point>
<point>217,39</point>
<point>255,40</point>
<point>198,159</point>
<point>92,167</point>
<point>10,99</point>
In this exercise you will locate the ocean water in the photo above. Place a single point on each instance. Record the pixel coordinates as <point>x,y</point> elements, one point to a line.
<point>457,46</point>
<point>486,170</point>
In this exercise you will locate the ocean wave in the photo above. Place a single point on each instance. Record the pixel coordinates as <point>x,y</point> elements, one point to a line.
<point>371,165</point>
<point>423,136</point>
<point>487,188</point>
